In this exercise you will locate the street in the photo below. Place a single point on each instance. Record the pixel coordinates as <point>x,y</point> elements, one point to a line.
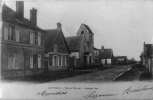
<point>98,75</point>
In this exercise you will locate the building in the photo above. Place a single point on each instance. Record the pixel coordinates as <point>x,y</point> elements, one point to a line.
<point>22,45</point>
<point>96,57</point>
<point>82,48</point>
<point>56,50</point>
<point>148,56</point>
<point>106,56</point>
<point>121,59</point>
<point>79,52</point>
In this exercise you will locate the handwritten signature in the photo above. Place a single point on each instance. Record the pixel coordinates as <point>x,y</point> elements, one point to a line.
<point>94,95</point>
<point>45,93</point>
<point>130,90</point>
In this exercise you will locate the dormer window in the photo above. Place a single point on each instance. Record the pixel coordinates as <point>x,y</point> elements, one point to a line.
<point>82,32</point>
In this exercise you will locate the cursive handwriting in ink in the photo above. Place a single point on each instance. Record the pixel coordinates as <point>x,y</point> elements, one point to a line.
<point>129,90</point>
<point>45,93</point>
<point>93,95</point>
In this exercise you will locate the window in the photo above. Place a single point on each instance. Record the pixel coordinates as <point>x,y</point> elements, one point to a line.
<point>67,60</point>
<point>82,33</point>
<point>56,60</point>
<point>55,48</point>
<point>35,38</point>
<point>35,61</point>
<point>50,60</point>
<point>11,33</point>
<point>13,61</point>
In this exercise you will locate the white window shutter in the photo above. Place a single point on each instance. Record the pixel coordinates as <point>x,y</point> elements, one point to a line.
<point>6,30</point>
<point>17,34</point>
<point>31,61</point>
<point>39,61</point>
<point>31,37</point>
<point>39,39</point>
<point>61,60</point>
<point>58,60</point>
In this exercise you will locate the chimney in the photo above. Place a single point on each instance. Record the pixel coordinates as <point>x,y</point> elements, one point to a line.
<point>102,48</point>
<point>33,16</point>
<point>20,9</point>
<point>59,25</point>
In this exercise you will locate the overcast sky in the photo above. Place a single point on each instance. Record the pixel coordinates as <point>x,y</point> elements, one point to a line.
<point>117,24</point>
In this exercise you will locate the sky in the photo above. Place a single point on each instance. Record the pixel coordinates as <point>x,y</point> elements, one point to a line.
<point>123,25</point>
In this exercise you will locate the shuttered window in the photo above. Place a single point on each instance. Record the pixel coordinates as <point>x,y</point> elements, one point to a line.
<point>39,61</point>
<point>6,30</point>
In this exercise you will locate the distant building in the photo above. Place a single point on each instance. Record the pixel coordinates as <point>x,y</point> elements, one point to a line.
<point>106,56</point>
<point>148,56</point>
<point>121,59</point>
<point>82,47</point>
<point>56,50</point>
<point>22,45</point>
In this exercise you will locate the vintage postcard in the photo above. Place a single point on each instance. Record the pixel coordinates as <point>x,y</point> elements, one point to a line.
<point>76,49</point>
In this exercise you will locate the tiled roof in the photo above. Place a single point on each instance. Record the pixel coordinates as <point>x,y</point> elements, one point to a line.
<point>106,54</point>
<point>50,37</point>
<point>74,43</point>
<point>88,28</point>
<point>10,16</point>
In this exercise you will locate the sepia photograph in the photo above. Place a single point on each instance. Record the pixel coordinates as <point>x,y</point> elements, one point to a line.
<point>76,49</point>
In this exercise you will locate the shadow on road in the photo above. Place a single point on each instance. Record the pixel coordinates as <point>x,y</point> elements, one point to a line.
<point>137,72</point>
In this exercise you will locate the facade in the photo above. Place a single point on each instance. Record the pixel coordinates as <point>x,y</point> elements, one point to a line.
<point>148,57</point>
<point>22,46</point>
<point>56,50</point>
<point>82,48</point>
<point>106,56</point>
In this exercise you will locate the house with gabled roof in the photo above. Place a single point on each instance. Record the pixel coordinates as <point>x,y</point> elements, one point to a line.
<point>22,45</point>
<point>81,47</point>
<point>56,50</point>
<point>106,56</point>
